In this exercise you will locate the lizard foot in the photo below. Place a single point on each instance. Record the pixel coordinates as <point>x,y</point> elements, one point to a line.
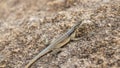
<point>56,51</point>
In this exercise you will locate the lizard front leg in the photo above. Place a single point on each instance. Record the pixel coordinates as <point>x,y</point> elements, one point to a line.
<point>72,37</point>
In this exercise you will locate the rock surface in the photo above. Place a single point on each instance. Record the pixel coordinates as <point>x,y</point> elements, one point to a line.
<point>26,24</point>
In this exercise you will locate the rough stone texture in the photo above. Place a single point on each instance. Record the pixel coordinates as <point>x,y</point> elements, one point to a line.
<point>26,24</point>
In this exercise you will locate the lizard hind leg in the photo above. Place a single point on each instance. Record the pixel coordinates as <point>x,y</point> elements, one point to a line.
<point>56,51</point>
<point>46,42</point>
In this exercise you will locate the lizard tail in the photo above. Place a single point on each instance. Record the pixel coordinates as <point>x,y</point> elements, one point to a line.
<point>37,57</point>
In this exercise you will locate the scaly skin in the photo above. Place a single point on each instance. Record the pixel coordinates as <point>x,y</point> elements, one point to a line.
<point>59,42</point>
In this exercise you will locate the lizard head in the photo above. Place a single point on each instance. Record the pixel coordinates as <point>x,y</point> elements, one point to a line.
<point>77,24</point>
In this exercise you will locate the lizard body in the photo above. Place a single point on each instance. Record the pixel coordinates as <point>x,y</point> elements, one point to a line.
<point>62,40</point>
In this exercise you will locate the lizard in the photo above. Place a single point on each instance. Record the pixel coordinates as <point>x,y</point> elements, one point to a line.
<point>58,43</point>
